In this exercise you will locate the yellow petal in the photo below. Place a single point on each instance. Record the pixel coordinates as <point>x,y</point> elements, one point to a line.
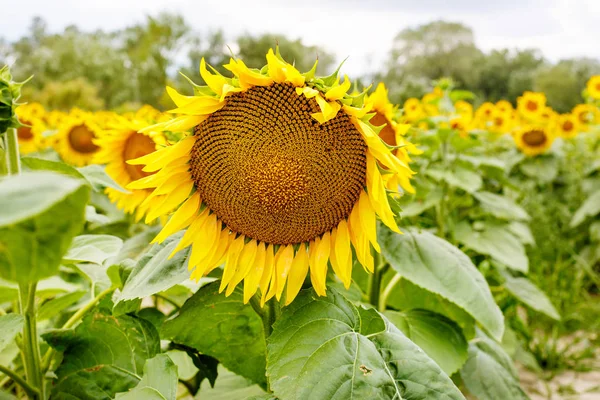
<point>246,76</point>
<point>231,263</point>
<point>205,241</point>
<point>298,272</point>
<point>200,106</point>
<point>180,219</point>
<point>343,253</point>
<point>339,91</point>
<point>179,99</point>
<point>190,233</point>
<point>172,200</point>
<point>282,268</point>
<point>215,82</point>
<point>245,263</point>
<point>360,241</point>
<point>319,259</point>
<point>224,241</point>
<point>265,280</point>
<point>253,278</point>
<point>378,195</point>
<point>368,222</point>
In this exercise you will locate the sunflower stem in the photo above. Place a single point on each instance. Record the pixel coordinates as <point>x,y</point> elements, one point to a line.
<point>31,348</point>
<point>30,390</point>
<point>12,152</point>
<point>387,291</point>
<point>379,268</point>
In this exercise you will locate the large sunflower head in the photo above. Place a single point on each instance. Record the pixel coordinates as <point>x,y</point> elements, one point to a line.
<point>281,175</point>
<point>31,116</point>
<point>531,105</point>
<point>533,140</point>
<point>74,140</point>
<point>567,125</point>
<point>593,87</point>
<point>120,142</point>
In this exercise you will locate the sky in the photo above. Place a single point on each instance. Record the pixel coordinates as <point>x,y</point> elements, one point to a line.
<point>362,30</point>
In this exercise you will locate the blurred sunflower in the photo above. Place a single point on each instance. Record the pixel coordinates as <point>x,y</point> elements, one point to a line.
<point>430,102</point>
<point>567,125</point>
<point>75,138</point>
<point>586,114</point>
<point>593,87</point>
<point>30,133</point>
<point>124,142</point>
<point>533,140</point>
<point>483,114</point>
<point>280,176</point>
<point>464,109</point>
<point>461,124</point>
<point>392,133</point>
<point>531,105</point>
<point>504,106</point>
<point>500,122</point>
<point>413,110</point>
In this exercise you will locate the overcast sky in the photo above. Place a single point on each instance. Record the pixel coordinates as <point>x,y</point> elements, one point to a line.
<point>362,30</point>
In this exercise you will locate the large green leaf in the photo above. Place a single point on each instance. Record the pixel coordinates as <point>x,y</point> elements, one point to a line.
<point>489,373</point>
<point>221,327</point>
<point>407,296</point>
<point>10,326</point>
<point>486,161</point>
<point>46,288</point>
<point>55,306</point>
<point>501,207</point>
<point>104,355</point>
<point>157,271</point>
<point>495,241</point>
<point>159,381</point>
<point>417,205</point>
<point>229,386</point>
<point>98,178</point>
<point>41,212</point>
<point>522,232</point>
<point>326,348</point>
<point>524,290</point>
<point>40,164</point>
<point>439,337</point>
<point>460,177</point>
<point>543,169</point>
<point>589,208</point>
<point>93,248</point>
<point>439,267</point>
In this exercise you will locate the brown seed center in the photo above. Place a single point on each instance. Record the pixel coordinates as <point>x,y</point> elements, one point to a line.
<point>270,171</point>
<point>567,126</point>
<point>531,105</point>
<point>24,133</point>
<point>534,138</point>
<point>387,133</point>
<point>136,146</point>
<point>80,138</point>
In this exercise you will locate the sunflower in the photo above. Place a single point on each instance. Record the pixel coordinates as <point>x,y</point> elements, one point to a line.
<point>504,106</point>
<point>430,102</point>
<point>593,87</point>
<point>281,175</point>
<point>483,114</point>
<point>124,142</point>
<point>586,114</point>
<point>567,125</point>
<point>464,109</point>
<point>413,110</point>
<point>75,138</point>
<point>392,133</point>
<point>500,122</point>
<point>533,140</point>
<point>31,116</point>
<point>531,105</point>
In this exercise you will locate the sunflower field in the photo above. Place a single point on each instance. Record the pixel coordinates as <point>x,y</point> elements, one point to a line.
<point>284,235</point>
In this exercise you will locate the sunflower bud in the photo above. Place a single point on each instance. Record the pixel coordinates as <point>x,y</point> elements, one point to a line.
<point>9,94</point>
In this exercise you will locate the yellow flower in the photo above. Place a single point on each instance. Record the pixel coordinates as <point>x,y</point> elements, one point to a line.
<point>280,177</point>
<point>593,87</point>
<point>500,122</point>
<point>533,140</point>
<point>392,133</point>
<point>75,138</point>
<point>567,125</point>
<point>464,109</point>
<point>531,105</point>
<point>484,114</point>
<point>430,103</point>
<point>30,136</point>
<point>413,110</point>
<point>123,142</point>
<point>586,114</point>
<point>504,106</point>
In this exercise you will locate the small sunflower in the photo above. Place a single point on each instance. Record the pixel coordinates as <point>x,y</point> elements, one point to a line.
<point>504,106</point>
<point>392,133</point>
<point>500,122</point>
<point>74,141</point>
<point>281,175</point>
<point>464,109</point>
<point>33,126</point>
<point>122,142</point>
<point>483,114</point>
<point>533,140</point>
<point>586,114</point>
<point>531,105</point>
<point>413,110</point>
<point>430,102</point>
<point>593,87</point>
<point>567,125</point>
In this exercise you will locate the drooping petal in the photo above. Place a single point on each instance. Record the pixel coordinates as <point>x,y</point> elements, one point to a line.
<point>298,272</point>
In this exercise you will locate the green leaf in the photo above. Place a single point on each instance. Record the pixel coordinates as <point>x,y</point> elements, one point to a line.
<point>543,169</point>
<point>417,206</point>
<point>230,386</point>
<point>6,396</point>
<point>93,248</point>
<point>99,179</point>
<point>460,177</point>
<point>525,291</point>
<point>489,373</point>
<point>41,212</point>
<point>589,208</point>
<point>185,366</point>
<point>320,349</point>
<point>46,288</point>
<point>156,271</point>
<point>221,327</point>
<point>134,246</point>
<point>408,296</point>
<point>40,164</point>
<point>10,326</point>
<point>439,267</point>
<point>104,355</point>
<point>478,161</point>
<point>522,232</point>
<point>501,207</point>
<point>159,381</point>
<point>437,335</point>
<point>495,241</point>
<point>57,305</point>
